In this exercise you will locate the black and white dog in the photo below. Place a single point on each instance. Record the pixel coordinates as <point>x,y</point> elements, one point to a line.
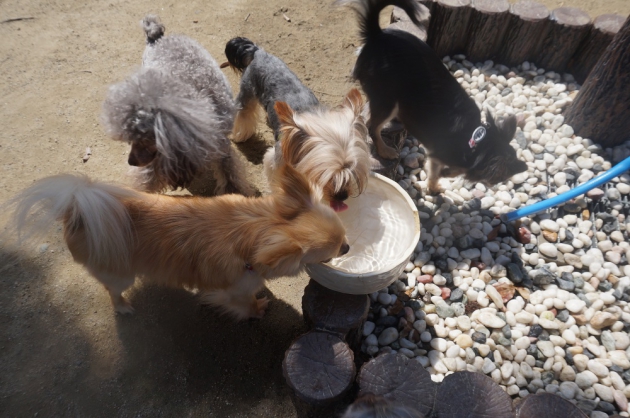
<point>405,79</point>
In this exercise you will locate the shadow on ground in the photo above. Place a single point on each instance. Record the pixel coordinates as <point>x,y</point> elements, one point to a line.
<point>172,358</point>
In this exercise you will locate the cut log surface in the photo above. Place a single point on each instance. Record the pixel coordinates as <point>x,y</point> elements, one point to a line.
<point>604,29</point>
<point>339,312</point>
<point>488,23</point>
<point>319,367</point>
<point>527,26</point>
<point>471,395</point>
<point>569,27</point>
<point>400,379</point>
<point>601,108</point>
<point>448,30</point>
<point>547,405</point>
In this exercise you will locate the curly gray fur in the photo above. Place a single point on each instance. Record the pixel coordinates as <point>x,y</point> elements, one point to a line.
<point>181,101</point>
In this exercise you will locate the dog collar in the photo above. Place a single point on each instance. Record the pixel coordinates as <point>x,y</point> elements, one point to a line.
<point>477,136</point>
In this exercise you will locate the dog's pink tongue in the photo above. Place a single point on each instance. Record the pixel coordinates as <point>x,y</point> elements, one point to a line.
<point>338,205</point>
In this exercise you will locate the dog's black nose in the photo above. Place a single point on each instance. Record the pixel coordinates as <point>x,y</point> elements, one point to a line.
<point>133,160</point>
<point>341,196</point>
<point>344,249</point>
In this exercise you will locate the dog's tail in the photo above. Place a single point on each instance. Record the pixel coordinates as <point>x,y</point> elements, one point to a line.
<point>240,53</point>
<point>369,10</point>
<point>95,210</point>
<point>153,28</point>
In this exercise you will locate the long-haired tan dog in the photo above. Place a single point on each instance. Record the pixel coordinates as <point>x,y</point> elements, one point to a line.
<point>225,246</point>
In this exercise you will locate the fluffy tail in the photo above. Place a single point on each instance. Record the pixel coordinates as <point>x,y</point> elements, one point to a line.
<point>153,28</point>
<point>240,53</point>
<point>93,209</point>
<point>369,10</point>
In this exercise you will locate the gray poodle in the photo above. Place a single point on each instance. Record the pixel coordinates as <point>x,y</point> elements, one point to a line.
<point>176,112</point>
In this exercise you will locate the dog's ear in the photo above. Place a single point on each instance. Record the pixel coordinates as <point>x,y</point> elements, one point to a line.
<point>278,250</point>
<point>507,127</point>
<point>489,118</point>
<point>292,145</point>
<point>354,101</point>
<point>517,166</point>
<point>294,186</point>
<point>285,114</point>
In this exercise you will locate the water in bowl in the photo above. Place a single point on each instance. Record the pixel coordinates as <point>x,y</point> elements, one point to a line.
<point>379,227</point>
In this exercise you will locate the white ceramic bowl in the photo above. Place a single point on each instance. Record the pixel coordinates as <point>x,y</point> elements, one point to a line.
<point>383,229</point>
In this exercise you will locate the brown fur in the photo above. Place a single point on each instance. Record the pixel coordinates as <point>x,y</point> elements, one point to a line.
<point>225,246</point>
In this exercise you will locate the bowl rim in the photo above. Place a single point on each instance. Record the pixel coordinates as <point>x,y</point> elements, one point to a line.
<point>405,254</point>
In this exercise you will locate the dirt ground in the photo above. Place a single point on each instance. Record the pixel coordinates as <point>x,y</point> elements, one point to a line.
<point>63,352</point>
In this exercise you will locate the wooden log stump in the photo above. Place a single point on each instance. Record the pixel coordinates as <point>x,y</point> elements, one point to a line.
<point>449,26</point>
<point>488,23</point>
<point>527,26</point>
<point>569,27</point>
<point>319,368</point>
<point>343,314</point>
<point>473,395</point>
<point>547,405</point>
<point>601,108</point>
<point>400,379</point>
<point>604,29</point>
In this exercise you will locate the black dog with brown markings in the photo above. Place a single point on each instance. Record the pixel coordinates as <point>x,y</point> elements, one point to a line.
<point>404,78</point>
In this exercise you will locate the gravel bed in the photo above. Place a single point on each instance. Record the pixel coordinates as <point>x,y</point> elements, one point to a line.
<point>540,306</point>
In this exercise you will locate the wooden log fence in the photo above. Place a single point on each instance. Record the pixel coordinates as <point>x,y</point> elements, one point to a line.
<point>563,39</point>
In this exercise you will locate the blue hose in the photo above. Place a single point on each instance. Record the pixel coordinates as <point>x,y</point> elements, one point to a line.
<point>615,171</point>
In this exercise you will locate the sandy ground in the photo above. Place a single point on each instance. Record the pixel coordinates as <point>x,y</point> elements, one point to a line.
<point>63,352</point>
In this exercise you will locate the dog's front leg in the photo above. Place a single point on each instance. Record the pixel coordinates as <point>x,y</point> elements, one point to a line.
<point>246,119</point>
<point>434,174</point>
<point>239,299</point>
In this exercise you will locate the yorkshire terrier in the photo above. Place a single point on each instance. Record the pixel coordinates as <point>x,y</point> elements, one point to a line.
<point>224,246</point>
<point>405,79</point>
<point>329,146</point>
<point>176,112</point>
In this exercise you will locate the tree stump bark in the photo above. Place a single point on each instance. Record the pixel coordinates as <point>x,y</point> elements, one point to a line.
<point>400,379</point>
<point>449,26</point>
<point>473,395</point>
<point>604,29</point>
<point>488,23</point>
<point>319,368</point>
<point>601,108</point>
<point>568,28</point>
<point>343,314</point>
<point>547,405</point>
<point>527,26</point>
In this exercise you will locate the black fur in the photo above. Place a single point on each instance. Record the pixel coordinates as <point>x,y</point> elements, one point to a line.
<point>399,71</point>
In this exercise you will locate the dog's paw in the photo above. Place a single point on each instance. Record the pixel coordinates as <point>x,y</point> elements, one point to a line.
<point>261,307</point>
<point>388,153</point>
<point>435,189</point>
